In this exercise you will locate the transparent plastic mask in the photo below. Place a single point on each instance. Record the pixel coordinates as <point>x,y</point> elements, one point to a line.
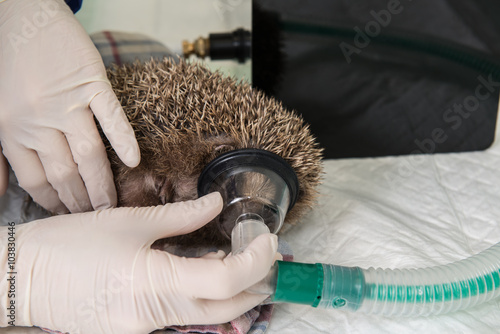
<point>251,194</point>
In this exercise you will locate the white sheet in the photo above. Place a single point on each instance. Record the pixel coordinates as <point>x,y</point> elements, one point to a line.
<point>399,212</point>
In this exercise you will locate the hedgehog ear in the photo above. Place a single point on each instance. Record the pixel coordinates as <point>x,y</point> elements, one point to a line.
<point>144,189</point>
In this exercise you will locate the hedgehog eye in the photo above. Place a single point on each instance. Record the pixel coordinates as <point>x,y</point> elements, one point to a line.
<point>223,148</point>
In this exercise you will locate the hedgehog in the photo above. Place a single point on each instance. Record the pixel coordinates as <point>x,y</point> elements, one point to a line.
<point>184,115</point>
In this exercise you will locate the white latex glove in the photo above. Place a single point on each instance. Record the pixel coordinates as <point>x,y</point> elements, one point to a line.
<point>96,273</point>
<point>52,82</point>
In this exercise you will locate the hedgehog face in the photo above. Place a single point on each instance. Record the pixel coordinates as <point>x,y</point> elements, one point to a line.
<point>184,116</point>
<point>169,177</point>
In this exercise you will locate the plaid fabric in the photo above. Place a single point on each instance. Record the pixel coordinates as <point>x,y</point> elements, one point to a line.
<point>254,321</point>
<point>119,48</point>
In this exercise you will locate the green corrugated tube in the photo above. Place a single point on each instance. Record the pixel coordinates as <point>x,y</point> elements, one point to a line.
<point>401,292</point>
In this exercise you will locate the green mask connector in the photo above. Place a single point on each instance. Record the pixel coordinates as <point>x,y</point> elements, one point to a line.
<point>299,283</point>
<point>319,285</point>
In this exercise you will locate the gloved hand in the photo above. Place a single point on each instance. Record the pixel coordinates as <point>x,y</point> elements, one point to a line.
<point>96,273</point>
<point>52,83</point>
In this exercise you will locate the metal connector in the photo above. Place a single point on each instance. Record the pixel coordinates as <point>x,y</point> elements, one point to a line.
<point>199,47</point>
<point>231,45</point>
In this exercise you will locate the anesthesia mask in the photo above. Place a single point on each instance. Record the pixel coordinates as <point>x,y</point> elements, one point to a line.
<point>258,189</point>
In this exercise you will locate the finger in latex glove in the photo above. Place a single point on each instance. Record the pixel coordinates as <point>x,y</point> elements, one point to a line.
<point>96,273</point>
<point>52,85</point>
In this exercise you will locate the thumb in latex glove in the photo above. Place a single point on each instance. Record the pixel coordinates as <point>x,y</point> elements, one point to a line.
<point>52,83</point>
<point>96,273</point>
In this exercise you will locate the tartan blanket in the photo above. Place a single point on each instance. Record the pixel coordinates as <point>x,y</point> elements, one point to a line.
<point>121,47</point>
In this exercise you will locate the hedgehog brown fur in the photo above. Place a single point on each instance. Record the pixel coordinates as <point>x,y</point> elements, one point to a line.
<point>184,116</point>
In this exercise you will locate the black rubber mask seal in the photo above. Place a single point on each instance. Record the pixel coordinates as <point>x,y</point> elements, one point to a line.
<point>249,158</point>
